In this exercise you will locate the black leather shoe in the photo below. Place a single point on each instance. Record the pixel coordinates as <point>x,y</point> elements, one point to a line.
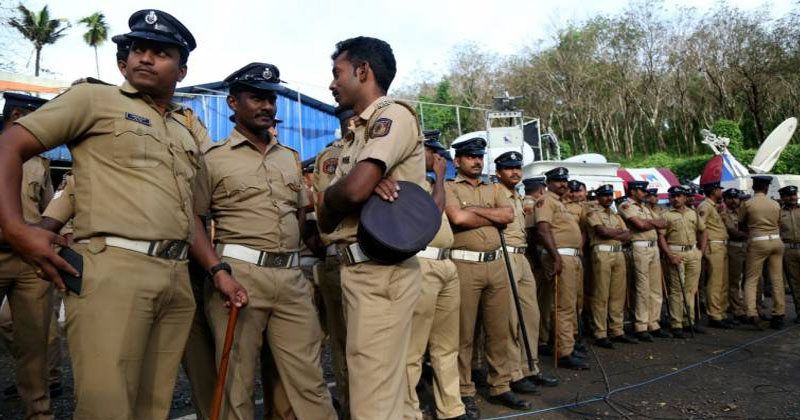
<point>624,338</point>
<point>604,343</point>
<point>660,333</point>
<point>524,386</point>
<point>510,400</point>
<point>741,318</point>
<point>713,323</point>
<point>573,362</point>
<point>777,322</point>
<point>580,347</point>
<point>461,417</point>
<point>760,324</point>
<point>543,379</point>
<point>696,328</point>
<point>471,408</point>
<point>678,333</point>
<point>645,336</point>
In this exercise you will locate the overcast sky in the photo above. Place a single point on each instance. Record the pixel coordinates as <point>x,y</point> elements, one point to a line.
<point>299,36</point>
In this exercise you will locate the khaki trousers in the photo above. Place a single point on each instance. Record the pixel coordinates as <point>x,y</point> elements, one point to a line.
<point>280,302</point>
<point>608,293</point>
<point>54,357</point>
<point>688,272</point>
<point>759,253</point>
<point>379,302</point>
<point>647,268</point>
<point>30,301</point>
<point>791,267</point>
<point>331,289</point>
<point>434,326</point>
<point>567,298</point>
<point>484,289</point>
<point>736,263</point>
<point>717,287</point>
<point>526,288</point>
<point>199,356</point>
<point>127,332</point>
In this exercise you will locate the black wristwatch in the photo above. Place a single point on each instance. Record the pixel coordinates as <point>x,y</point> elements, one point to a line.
<point>215,269</point>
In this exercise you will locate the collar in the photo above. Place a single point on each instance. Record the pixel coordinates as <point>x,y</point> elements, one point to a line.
<point>552,195</point>
<point>679,211</point>
<point>128,88</point>
<point>459,179</point>
<point>365,115</point>
<point>237,139</point>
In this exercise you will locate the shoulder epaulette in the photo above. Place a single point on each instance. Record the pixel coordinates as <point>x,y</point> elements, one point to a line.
<point>216,145</point>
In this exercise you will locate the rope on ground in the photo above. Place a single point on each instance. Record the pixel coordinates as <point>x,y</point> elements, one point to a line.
<point>643,383</point>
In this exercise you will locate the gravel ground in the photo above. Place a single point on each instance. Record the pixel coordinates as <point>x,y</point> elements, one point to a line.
<point>756,381</point>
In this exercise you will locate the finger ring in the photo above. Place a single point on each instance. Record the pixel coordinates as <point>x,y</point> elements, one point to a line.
<point>38,271</point>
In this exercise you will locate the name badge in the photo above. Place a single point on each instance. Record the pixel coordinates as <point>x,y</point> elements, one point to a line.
<point>137,118</point>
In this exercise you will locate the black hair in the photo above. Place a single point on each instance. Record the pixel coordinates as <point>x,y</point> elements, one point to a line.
<point>374,51</point>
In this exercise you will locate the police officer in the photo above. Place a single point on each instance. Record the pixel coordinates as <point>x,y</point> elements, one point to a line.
<point>760,216</point>
<point>509,173</point>
<point>385,146</point>
<point>736,254</point>
<point>607,233</point>
<point>560,233</point>
<point>534,188</point>
<point>790,234</point>
<point>643,224</point>
<point>258,200</point>
<point>475,207</point>
<point>29,298</point>
<point>716,256</point>
<point>327,272</point>
<point>124,367</point>
<point>682,242</point>
<point>436,316</point>
<point>652,201</point>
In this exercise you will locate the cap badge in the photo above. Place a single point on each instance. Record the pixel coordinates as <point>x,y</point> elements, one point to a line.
<point>267,74</point>
<point>151,18</point>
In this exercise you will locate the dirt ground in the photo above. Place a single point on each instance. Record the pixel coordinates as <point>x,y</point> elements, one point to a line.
<point>730,374</point>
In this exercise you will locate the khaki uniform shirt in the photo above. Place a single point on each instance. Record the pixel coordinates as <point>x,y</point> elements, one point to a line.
<point>731,219</point>
<point>657,210</point>
<point>604,217</point>
<point>62,206</point>
<point>255,197</point>
<point>707,210</point>
<point>683,226</point>
<point>37,188</point>
<point>630,209</point>
<point>135,168</point>
<point>790,224</point>
<point>324,170</point>
<point>387,132</point>
<point>564,224</point>
<point>761,215</point>
<point>527,205</point>
<point>515,231</point>
<point>461,193</point>
<point>444,237</point>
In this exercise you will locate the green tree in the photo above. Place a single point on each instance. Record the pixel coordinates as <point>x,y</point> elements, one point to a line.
<point>39,29</point>
<point>96,35</point>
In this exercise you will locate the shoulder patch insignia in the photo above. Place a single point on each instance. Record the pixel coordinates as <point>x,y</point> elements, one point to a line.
<point>625,206</point>
<point>539,203</point>
<point>346,159</point>
<point>380,128</point>
<point>702,213</point>
<point>137,118</point>
<point>329,166</point>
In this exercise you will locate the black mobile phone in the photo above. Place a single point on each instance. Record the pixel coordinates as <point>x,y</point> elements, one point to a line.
<point>75,260</point>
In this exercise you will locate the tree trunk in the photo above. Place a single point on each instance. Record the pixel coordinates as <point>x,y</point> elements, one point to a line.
<point>96,62</point>
<point>38,56</point>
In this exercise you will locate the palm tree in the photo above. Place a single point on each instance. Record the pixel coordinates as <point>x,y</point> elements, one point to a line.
<point>96,35</point>
<point>39,29</point>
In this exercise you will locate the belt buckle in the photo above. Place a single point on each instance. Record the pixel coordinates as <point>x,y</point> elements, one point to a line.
<point>489,257</point>
<point>173,250</point>
<point>278,260</point>
<point>444,254</point>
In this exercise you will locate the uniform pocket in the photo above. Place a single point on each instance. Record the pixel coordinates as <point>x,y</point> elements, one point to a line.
<point>242,185</point>
<point>135,145</point>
